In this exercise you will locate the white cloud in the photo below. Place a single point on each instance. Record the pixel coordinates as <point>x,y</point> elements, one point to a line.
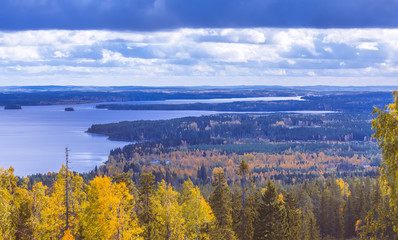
<point>59,54</point>
<point>19,53</point>
<point>368,46</point>
<point>246,55</point>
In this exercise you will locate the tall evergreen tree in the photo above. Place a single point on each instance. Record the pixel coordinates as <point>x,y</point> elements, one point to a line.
<point>221,204</point>
<point>292,218</point>
<point>271,221</point>
<point>309,228</point>
<point>378,222</point>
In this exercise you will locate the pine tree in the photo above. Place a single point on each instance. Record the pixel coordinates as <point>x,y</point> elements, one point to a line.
<point>220,202</point>
<point>292,218</point>
<point>250,212</point>
<point>309,228</point>
<point>271,222</point>
<point>378,222</point>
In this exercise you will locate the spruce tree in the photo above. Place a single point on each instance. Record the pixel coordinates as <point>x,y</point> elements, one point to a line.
<point>292,218</point>
<point>271,221</point>
<point>221,204</point>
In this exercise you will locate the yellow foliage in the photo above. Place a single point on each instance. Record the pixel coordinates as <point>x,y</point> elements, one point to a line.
<point>281,198</point>
<point>110,211</point>
<point>344,187</point>
<point>67,235</point>
<point>169,221</point>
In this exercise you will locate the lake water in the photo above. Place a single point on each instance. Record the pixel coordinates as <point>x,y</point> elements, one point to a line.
<point>33,139</point>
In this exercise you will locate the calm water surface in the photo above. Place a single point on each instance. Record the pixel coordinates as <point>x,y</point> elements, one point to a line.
<point>33,139</point>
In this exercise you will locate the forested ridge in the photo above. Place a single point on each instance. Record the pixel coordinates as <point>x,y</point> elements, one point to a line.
<point>344,102</point>
<point>314,189</point>
<point>75,95</point>
<point>226,128</point>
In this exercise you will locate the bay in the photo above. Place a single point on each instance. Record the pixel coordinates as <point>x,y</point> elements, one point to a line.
<point>33,140</point>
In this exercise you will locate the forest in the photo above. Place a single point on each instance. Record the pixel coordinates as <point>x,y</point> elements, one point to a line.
<point>343,102</point>
<point>61,95</point>
<point>227,128</point>
<point>267,177</point>
<point>114,207</point>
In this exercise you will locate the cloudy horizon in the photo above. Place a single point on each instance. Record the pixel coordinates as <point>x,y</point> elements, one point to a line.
<point>193,43</point>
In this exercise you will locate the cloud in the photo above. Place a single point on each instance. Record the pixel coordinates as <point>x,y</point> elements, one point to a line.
<point>19,53</point>
<point>211,56</point>
<point>149,15</point>
<point>372,46</point>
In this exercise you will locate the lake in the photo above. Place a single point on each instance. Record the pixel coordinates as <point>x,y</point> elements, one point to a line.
<point>33,139</point>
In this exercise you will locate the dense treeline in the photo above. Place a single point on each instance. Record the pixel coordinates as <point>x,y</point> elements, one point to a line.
<point>116,208</point>
<point>286,163</point>
<point>340,102</point>
<point>289,167</point>
<point>215,129</point>
<point>76,95</point>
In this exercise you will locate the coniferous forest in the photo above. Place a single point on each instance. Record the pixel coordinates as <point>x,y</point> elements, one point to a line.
<point>188,190</point>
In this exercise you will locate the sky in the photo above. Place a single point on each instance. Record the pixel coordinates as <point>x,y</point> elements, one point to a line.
<point>198,42</point>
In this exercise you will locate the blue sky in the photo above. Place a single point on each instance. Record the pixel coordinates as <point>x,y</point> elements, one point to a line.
<point>198,42</point>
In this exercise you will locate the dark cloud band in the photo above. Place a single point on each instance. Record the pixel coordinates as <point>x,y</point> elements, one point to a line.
<point>148,15</point>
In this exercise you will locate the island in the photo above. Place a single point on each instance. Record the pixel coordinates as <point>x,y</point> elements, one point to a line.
<point>69,109</point>
<point>12,107</point>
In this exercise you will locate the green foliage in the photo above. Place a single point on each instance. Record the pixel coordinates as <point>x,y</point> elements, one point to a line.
<point>272,217</point>
<point>221,203</point>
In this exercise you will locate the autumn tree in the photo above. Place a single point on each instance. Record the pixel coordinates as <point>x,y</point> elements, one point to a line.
<point>109,213</point>
<point>198,216</point>
<point>8,185</point>
<point>39,204</point>
<point>21,212</point>
<point>168,222</point>
<point>53,216</point>
<point>385,126</point>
